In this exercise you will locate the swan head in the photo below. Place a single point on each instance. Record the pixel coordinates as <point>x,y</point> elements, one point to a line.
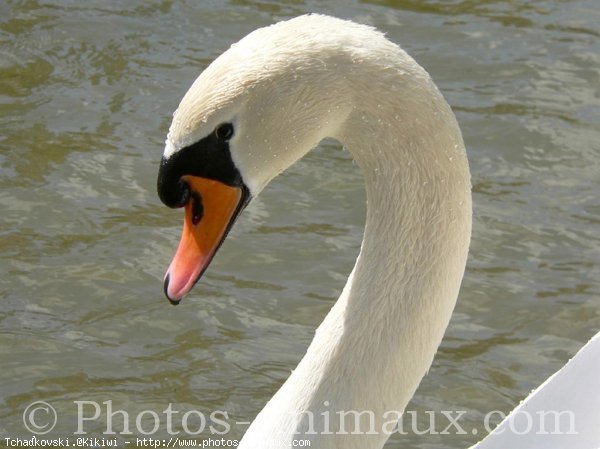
<point>252,113</point>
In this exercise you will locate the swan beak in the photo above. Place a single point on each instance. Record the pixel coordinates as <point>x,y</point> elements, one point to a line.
<point>209,214</point>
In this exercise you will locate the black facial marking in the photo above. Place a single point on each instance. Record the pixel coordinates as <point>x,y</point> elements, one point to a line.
<point>182,193</point>
<point>208,158</point>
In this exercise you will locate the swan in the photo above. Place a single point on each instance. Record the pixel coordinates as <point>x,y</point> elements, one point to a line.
<point>258,108</point>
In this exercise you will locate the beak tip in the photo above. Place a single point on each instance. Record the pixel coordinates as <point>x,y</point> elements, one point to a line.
<point>173,301</point>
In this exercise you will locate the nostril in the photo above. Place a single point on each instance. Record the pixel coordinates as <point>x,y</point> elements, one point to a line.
<point>197,209</point>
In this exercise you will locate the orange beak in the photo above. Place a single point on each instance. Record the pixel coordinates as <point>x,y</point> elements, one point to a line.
<point>209,214</point>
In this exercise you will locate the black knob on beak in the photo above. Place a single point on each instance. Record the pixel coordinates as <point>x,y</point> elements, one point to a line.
<point>172,190</point>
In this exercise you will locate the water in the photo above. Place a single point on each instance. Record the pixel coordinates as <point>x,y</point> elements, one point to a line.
<point>86,96</point>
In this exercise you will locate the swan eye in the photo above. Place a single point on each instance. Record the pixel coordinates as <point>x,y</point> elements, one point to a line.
<point>224,131</point>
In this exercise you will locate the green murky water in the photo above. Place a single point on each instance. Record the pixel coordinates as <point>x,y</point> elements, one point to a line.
<point>86,95</point>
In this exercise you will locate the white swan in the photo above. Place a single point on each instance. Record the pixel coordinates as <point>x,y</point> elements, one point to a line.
<point>252,113</point>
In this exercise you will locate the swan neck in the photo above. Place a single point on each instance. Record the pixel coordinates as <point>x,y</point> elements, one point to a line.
<point>379,339</point>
